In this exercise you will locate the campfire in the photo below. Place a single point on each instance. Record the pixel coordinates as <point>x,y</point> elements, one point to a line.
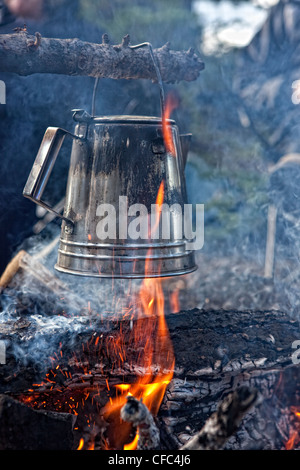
<point>86,385</point>
<point>106,344</point>
<point>124,380</point>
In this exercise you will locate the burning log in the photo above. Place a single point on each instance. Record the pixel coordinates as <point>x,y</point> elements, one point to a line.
<point>224,422</point>
<point>227,350</point>
<point>134,411</point>
<point>235,349</point>
<point>25,54</point>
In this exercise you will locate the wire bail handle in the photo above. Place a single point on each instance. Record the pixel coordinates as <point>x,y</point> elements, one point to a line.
<point>158,75</point>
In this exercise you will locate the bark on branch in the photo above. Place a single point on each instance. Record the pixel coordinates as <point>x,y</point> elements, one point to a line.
<point>25,54</point>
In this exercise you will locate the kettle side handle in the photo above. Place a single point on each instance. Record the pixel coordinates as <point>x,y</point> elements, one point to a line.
<point>43,165</point>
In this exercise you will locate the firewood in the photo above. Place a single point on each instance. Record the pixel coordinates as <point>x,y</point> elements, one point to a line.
<point>28,265</point>
<point>11,269</point>
<point>226,350</point>
<point>27,262</point>
<point>28,270</point>
<point>25,54</point>
<point>224,422</point>
<point>134,411</point>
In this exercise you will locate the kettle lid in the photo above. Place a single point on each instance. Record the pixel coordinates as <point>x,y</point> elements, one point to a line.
<point>80,115</point>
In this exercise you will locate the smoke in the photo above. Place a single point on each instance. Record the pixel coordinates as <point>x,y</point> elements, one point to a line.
<point>38,319</point>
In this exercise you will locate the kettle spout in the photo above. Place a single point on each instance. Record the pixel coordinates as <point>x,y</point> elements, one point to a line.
<point>185,141</point>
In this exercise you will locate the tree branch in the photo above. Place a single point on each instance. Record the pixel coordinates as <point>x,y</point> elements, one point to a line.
<point>25,54</point>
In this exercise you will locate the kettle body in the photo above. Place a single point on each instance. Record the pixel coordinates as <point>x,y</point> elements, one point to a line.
<point>125,197</point>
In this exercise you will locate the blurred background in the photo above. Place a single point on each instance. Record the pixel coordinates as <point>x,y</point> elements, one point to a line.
<point>243,113</point>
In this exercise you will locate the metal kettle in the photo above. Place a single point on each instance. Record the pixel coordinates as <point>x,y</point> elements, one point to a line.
<point>117,165</point>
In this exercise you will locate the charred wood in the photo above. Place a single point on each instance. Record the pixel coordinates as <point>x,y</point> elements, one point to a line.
<point>221,345</point>
<point>22,428</point>
<point>224,422</point>
<point>227,350</point>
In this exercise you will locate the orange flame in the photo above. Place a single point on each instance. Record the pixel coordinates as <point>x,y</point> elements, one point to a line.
<point>160,195</point>
<point>294,438</point>
<point>159,202</point>
<point>155,358</point>
<point>81,444</point>
<point>174,301</point>
<point>132,445</point>
<point>291,442</point>
<point>170,105</point>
